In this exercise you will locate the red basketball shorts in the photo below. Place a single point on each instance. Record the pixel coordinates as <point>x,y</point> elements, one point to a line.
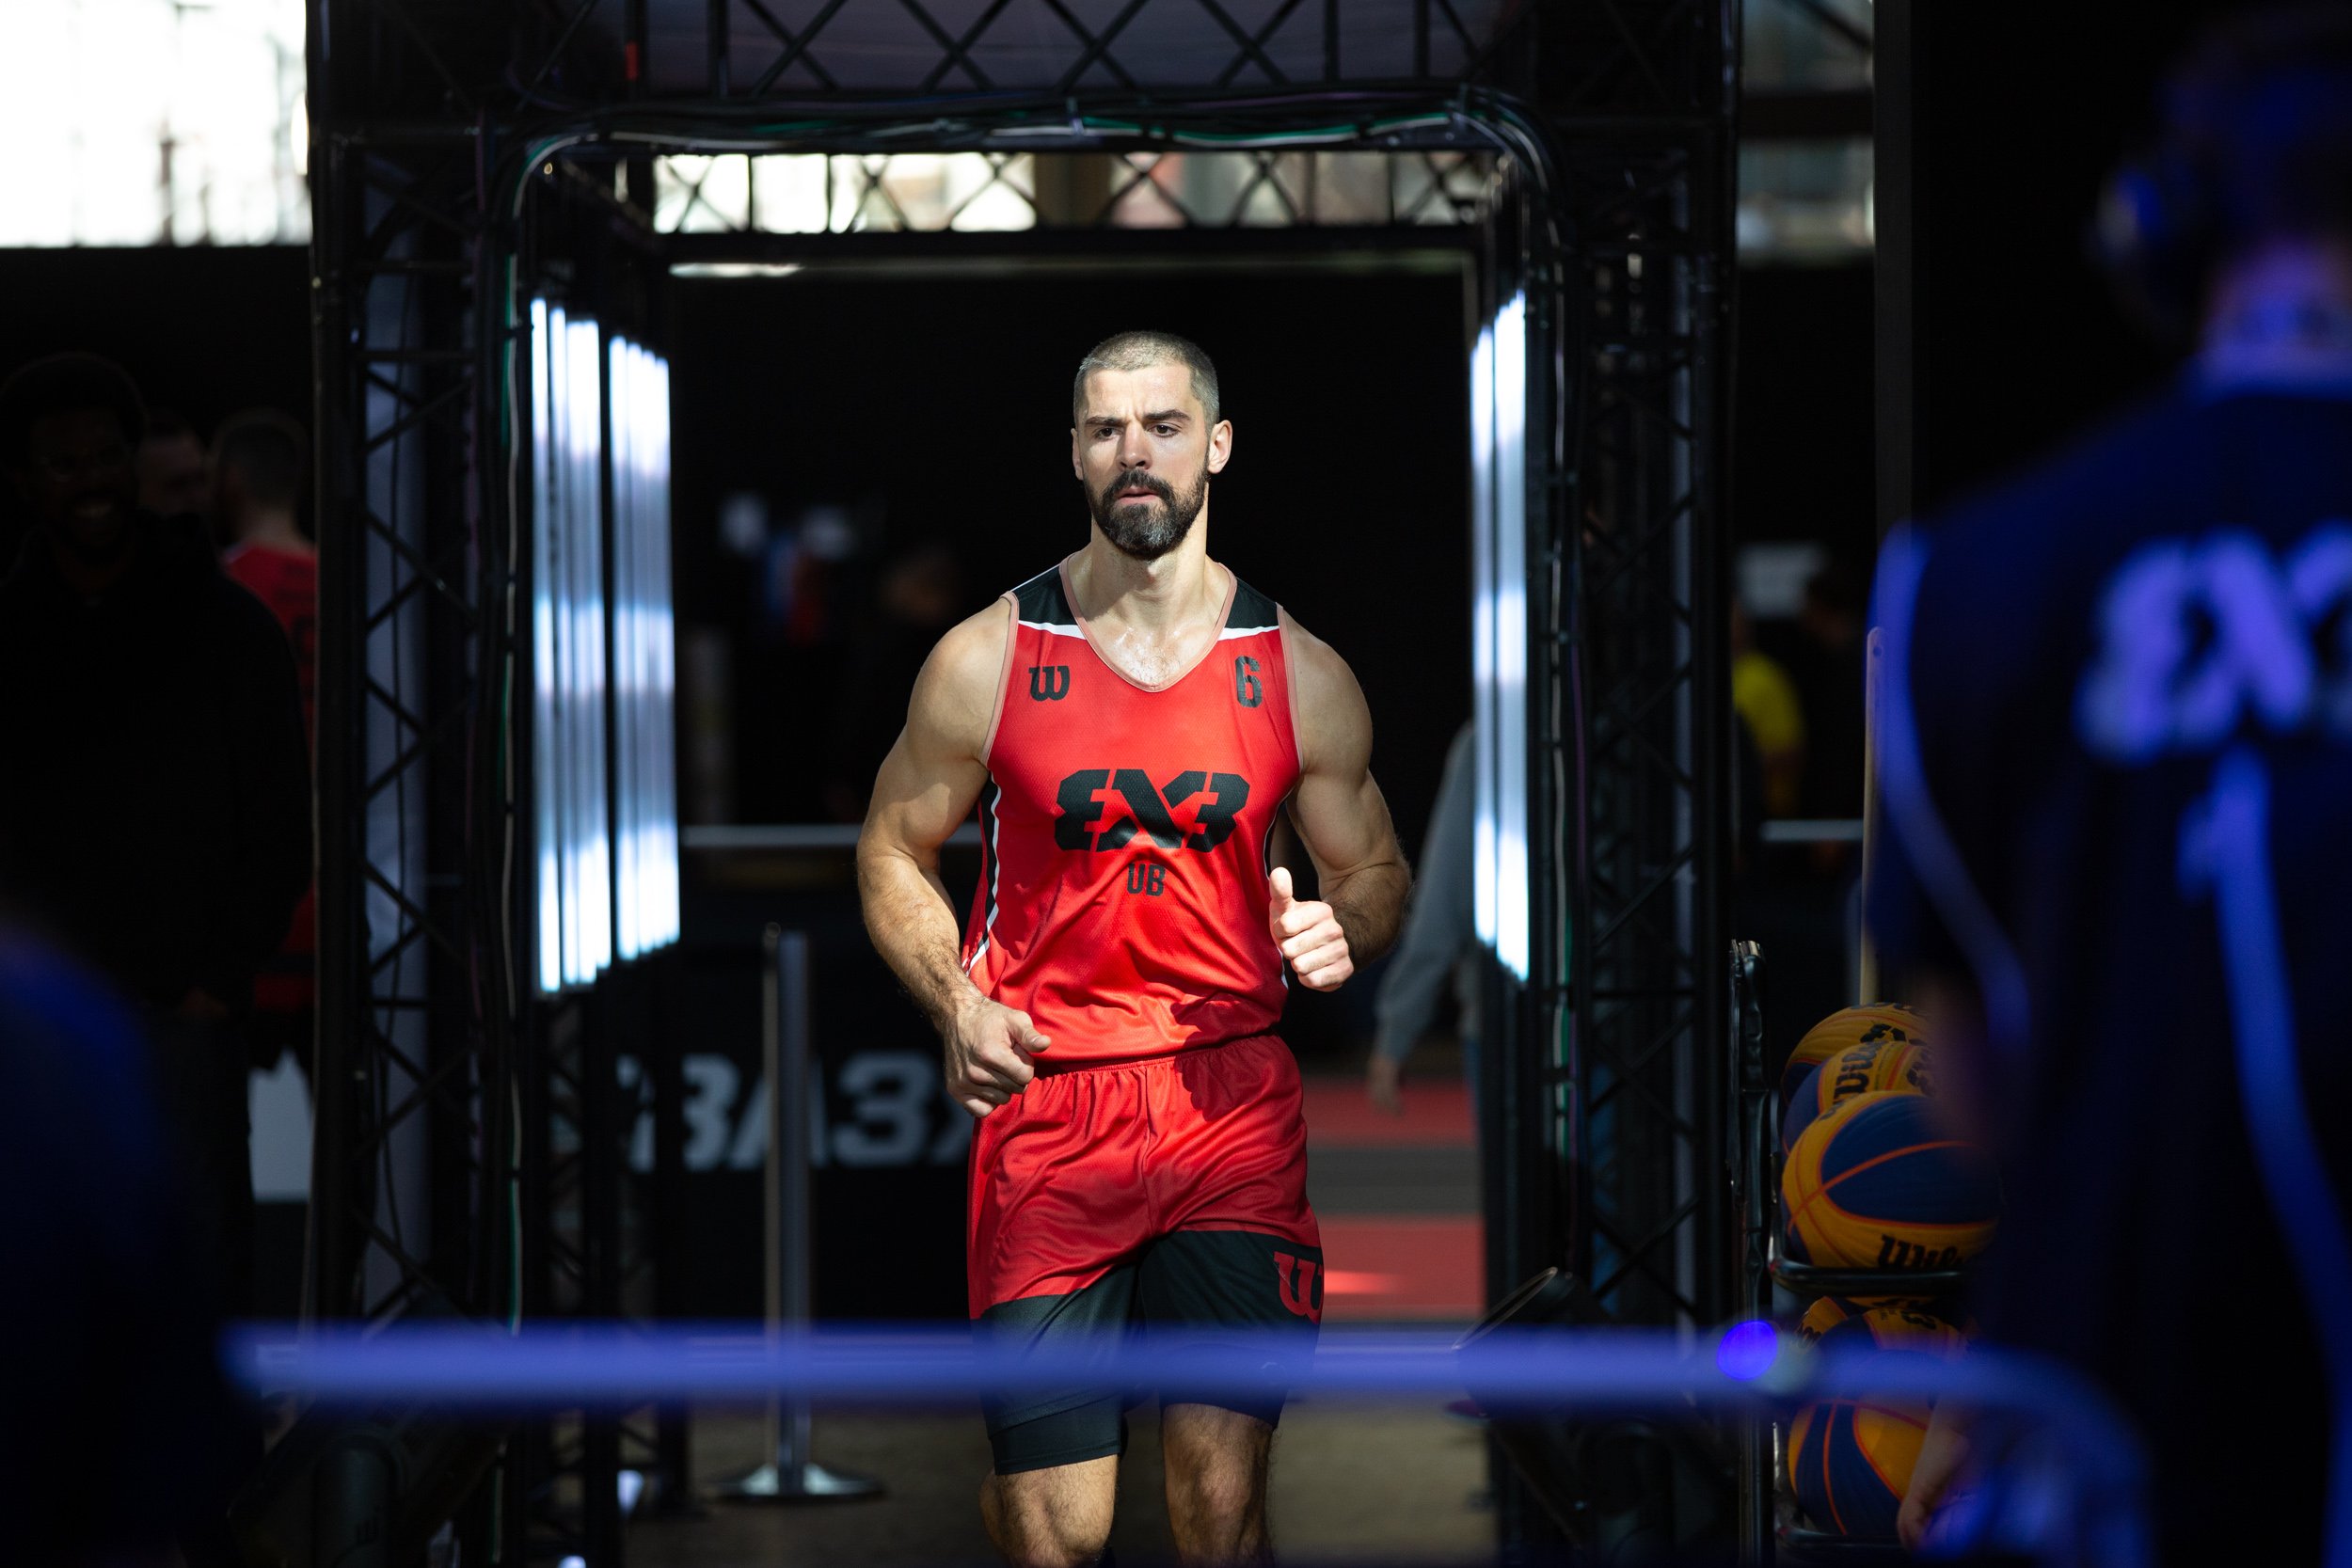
<point>1164,1194</point>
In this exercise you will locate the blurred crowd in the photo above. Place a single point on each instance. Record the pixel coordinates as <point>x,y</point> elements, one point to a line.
<point>158,609</point>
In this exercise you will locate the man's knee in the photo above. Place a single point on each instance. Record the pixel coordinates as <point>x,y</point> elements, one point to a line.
<point>1058,1518</point>
<point>1216,1469</point>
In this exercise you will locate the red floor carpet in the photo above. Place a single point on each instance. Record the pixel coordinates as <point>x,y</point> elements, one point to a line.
<point>1390,1268</point>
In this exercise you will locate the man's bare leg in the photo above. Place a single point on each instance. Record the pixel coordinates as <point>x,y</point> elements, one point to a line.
<point>1058,1517</point>
<point>1216,1484</point>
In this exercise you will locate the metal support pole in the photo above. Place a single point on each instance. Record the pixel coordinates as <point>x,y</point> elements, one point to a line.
<point>355,1497</point>
<point>792,1475</point>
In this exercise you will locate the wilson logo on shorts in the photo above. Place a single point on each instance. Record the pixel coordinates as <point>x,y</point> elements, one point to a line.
<point>1087,821</point>
<point>1299,1298</point>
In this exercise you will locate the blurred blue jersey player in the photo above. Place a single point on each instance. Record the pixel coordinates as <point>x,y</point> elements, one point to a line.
<point>2116,765</point>
<point>118,1440</point>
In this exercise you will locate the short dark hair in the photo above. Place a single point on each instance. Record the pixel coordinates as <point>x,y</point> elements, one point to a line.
<point>2260,114</point>
<point>270,450</point>
<point>66,383</point>
<point>1134,351</point>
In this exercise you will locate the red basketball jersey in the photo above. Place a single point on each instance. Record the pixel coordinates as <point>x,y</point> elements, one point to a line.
<point>1123,897</point>
<point>289,584</point>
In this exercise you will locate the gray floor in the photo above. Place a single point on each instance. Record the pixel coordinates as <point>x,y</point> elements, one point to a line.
<point>1352,1483</point>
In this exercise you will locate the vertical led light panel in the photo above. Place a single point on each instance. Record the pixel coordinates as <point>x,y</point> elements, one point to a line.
<point>646,885</point>
<point>567,640</point>
<point>589,871</point>
<point>546,340</point>
<point>1499,633</point>
<point>619,377</point>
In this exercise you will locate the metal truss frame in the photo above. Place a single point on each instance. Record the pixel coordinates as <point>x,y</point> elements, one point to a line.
<point>1651,551</point>
<point>443,1084</point>
<point>1436,28</point>
<point>408,1047</point>
<point>1281,190</point>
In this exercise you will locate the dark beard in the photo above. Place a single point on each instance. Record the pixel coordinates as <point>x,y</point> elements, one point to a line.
<point>1148,529</point>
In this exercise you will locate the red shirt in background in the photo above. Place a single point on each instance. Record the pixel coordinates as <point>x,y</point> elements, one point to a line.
<point>288,582</point>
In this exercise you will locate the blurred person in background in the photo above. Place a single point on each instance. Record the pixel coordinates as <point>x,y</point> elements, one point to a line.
<point>116,1431</point>
<point>1825,663</point>
<point>1766,701</point>
<point>154,793</point>
<point>260,465</point>
<point>2115,752</point>
<point>174,480</point>
<point>1440,945</point>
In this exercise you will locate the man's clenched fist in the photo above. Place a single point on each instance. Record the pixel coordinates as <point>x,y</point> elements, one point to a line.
<point>990,1051</point>
<point>1309,935</point>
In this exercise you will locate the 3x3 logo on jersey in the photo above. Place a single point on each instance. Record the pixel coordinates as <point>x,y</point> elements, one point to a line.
<point>2202,638</point>
<point>1149,809</point>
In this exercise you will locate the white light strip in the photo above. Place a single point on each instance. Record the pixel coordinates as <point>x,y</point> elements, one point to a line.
<point>585,568</point>
<point>646,886</point>
<point>627,892</point>
<point>570,799</point>
<point>666,671</point>
<point>1511,561</point>
<point>1483,632</point>
<point>661,656</point>
<point>546,331</point>
<point>1499,635</point>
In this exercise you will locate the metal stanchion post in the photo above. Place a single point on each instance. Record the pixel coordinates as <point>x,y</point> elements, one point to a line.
<point>792,1475</point>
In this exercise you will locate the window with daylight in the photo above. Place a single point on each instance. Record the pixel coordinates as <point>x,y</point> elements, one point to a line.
<point>156,123</point>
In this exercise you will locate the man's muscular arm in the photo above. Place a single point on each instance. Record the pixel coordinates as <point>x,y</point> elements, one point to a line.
<point>927,785</point>
<point>1342,819</point>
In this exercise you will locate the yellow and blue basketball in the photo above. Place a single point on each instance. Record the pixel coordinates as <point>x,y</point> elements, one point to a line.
<point>1913,1325</point>
<point>1879,1182</point>
<point>1827,1312</point>
<point>1865,1068</point>
<point>1850,1461</point>
<point>1824,1315</point>
<point>1846,1028</point>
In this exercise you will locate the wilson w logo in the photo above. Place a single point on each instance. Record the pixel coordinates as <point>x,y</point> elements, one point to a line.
<point>1297,1278</point>
<point>1084,799</point>
<point>1049,683</point>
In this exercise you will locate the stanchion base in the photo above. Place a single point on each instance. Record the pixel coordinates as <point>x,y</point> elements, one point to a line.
<point>807,1483</point>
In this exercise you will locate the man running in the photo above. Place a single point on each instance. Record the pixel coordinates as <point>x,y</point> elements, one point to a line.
<point>1129,723</point>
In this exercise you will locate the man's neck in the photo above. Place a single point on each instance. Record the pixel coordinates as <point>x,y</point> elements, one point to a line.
<point>88,578</point>
<point>2284,312</point>
<point>1153,598</point>
<point>273,530</point>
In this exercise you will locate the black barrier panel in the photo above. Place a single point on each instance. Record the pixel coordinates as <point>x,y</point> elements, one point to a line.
<point>888,1145</point>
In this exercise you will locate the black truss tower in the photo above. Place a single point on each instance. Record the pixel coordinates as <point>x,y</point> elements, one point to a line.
<point>469,1152</point>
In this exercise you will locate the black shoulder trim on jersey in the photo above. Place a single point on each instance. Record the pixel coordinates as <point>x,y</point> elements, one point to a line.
<point>1250,609</point>
<point>1041,600</point>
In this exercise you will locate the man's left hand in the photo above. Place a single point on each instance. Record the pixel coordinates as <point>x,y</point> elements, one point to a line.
<point>1309,935</point>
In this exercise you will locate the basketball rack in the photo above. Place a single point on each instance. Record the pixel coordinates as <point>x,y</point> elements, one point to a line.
<point>1755,1162</point>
